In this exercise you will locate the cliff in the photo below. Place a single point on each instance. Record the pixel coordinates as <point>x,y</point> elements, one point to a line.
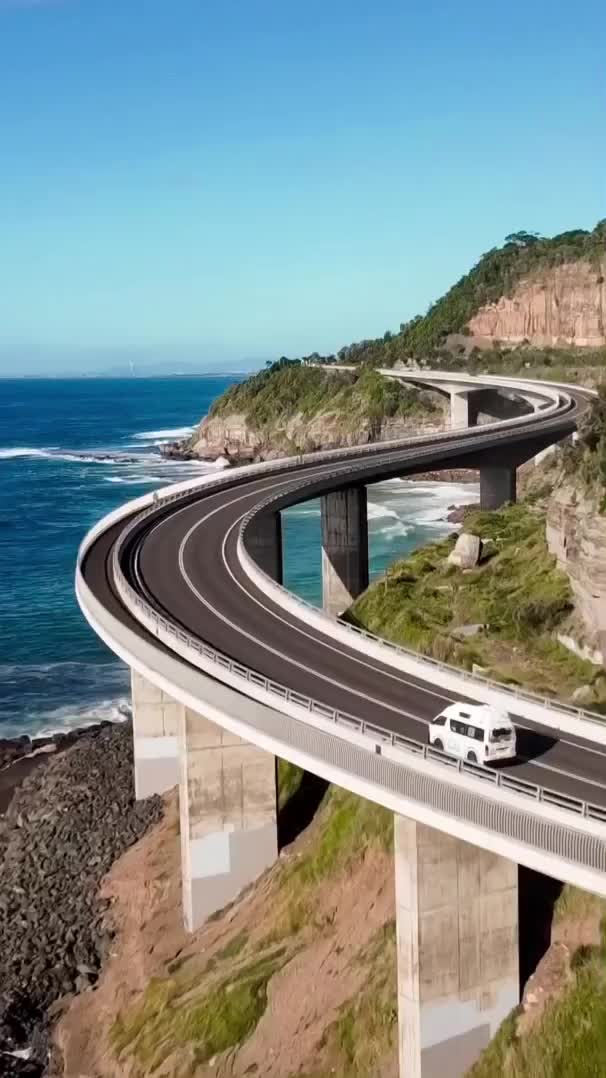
<point>293,408</point>
<point>564,305</point>
<point>576,535</point>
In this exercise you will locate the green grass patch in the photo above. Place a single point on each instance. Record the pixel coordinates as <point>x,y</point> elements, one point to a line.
<point>365,1030</point>
<point>570,1039</point>
<point>288,388</point>
<point>350,826</point>
<point>176,1014</point>
<point>517,592</point>
<point>289,780</point>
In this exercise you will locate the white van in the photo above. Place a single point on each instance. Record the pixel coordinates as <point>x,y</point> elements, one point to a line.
<point>474,732</point>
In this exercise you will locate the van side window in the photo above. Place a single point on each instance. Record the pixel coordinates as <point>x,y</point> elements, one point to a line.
<point>475,732</point>
<point>440,721</point>
<point>458,727</point>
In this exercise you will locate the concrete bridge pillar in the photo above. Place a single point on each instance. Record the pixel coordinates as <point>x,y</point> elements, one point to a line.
<point>457,949</point>
<point>264,543</point>
<point>497,485</point>
<point>155,735</point>
<point>463,411</point>
<point>228,808</point>
<point>344,548</point>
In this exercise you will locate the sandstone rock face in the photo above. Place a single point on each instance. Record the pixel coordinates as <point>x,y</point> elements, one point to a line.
<point>576,534</point>
<point>231,434</point>
<point>466,553</point>
<point>563,305</point>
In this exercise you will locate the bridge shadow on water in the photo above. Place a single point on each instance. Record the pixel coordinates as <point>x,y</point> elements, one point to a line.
<point>300,809</point>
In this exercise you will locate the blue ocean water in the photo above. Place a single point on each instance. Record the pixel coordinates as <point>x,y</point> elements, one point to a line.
<point>72,450</point>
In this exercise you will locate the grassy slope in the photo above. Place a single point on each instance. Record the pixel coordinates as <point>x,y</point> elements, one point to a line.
<point>206,1006</point>
<point>287,388</point>
<point>517,592</point>
<point>570,1039</point>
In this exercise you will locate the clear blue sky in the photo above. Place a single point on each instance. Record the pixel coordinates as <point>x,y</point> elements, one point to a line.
<point>219,180</point>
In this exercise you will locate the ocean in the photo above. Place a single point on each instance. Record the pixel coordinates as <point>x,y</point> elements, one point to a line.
<point>72,450</point>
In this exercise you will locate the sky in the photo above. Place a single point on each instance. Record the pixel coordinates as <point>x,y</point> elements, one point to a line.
<point>220,182</point>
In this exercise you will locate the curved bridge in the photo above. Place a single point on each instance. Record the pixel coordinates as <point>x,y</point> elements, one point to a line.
<point>230,668</point>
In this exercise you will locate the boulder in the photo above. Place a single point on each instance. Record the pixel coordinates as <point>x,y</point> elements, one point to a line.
<point>467,551</point>
<point>583,695</point>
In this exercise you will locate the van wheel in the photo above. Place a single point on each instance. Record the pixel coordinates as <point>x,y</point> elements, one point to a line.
<point>438,744</point>
<point>472,758</point>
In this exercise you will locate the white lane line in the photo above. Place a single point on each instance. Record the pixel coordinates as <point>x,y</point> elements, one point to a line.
<point>280,654</point>
<point>533,762</point>
<point>347,655</point>
<point>350,656</point>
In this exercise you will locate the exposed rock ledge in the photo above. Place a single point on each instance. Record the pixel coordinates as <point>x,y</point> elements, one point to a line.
<point>233,437</point>
<point>576,534</point>
<point>565,305</point>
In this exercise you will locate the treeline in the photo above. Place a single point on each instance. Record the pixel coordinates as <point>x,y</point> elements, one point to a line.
<point>289,387</point>
<point>496,274</point>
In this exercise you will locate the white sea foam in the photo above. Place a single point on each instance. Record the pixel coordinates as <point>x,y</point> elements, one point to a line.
<point>168,435</point>
<point>72,456</point>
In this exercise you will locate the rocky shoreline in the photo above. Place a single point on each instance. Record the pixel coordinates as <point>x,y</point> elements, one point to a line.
<point>67,823</point>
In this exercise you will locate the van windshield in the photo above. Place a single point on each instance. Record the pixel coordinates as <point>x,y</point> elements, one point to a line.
<point>501,733</point>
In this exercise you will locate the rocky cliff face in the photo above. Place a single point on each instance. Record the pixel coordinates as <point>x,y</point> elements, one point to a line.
<point>233,436</point>
<point>576,534</point>
<point>564,305</point>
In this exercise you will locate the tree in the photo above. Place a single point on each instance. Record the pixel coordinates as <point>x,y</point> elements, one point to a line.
<point>522,239</point>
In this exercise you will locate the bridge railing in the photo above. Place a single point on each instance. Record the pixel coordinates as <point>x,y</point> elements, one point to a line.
<point>203,655</point>
<point>513,692</point>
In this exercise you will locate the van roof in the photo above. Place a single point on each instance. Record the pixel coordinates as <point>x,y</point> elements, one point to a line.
<point>478,714</point>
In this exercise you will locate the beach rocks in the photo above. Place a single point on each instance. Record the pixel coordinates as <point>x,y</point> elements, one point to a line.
<point>66,825</point>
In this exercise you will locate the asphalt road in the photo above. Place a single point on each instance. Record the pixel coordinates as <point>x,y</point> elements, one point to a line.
<point>185,563</point>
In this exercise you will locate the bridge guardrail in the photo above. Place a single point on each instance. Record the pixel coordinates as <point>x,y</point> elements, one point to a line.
<point>376,734</point>
<point>513,691</point>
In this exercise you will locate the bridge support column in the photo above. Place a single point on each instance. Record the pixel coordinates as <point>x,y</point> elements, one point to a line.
<point>227,800</point>
<point>155,736</point>
<point>463,410</point>
<point>344,548</point>
<point>457,949</point>
<point>497,486</point>
<point>264,543</point>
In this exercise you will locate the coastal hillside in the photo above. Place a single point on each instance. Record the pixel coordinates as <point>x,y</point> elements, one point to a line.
<point>297,978</point>
<point>533,290</point>
<point>293,408</point>
<point>534,304</point>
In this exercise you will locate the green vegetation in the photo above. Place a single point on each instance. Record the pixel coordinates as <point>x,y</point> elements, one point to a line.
<point>289,780</point>
<point>570,1039</point>
<point>301,387</point>
<point>289,388</point>
<point>495,275</point>
<point>350,826</point>
<point>587,459</point>
<point>516,592</point>
<point>175,1013</point>
<point>209,1003</point>
<point>363,1035</point>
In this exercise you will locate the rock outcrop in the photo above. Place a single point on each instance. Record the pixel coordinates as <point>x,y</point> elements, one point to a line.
<point>232,436</point>
<point>467,551</point>
<point>565,305</point>
<point>576,534</point>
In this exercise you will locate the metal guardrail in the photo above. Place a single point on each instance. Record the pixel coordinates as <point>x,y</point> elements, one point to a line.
<point>513,691</point>
<point>377,734</point>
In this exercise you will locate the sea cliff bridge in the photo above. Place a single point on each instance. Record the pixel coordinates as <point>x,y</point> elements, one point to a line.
<point>230,670</point>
